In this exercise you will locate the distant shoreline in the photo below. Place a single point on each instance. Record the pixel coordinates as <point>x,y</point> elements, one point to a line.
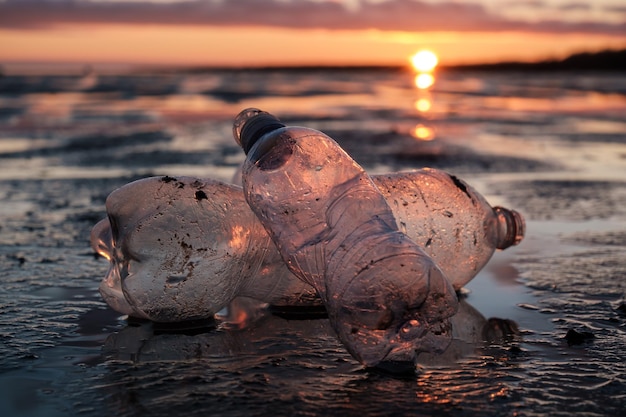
<point>603,61</point>
<point>609,60</point>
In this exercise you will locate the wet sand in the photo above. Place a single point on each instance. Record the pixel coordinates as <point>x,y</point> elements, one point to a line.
<point>557,344</point>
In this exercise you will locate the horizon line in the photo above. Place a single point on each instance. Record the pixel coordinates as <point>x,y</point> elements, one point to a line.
<point>605,60</point>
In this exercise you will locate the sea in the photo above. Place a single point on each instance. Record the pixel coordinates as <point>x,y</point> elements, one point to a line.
<point>551,145</point>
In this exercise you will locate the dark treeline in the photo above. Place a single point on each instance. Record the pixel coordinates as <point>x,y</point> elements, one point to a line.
<point>609,60</point>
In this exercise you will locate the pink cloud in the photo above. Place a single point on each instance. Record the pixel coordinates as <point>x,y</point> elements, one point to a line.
<point>403,15</point>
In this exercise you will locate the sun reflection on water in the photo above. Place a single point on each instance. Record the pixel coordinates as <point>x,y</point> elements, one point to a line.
<point>424,80</point>
<point>424,63</point>
<point>422,132</point>
<point>423,104</point>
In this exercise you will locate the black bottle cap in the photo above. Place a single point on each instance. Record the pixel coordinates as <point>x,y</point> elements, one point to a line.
<point>251,124</point>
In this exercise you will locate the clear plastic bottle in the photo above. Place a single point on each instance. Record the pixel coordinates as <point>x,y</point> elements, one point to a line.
<point>454,223</point>
<point>385,297</point>
<point>164,227</point>
<point>181,249</point>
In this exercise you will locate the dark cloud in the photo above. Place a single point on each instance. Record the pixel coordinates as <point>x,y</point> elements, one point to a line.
<point>616,9</point>
<point>403,15</point>
<point>574,6</point>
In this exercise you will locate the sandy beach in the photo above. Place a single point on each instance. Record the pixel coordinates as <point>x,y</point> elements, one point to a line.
<point>550,145</point>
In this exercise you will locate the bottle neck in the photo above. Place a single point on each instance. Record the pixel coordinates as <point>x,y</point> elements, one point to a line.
<point>511,227</point>
<point>251,124</point>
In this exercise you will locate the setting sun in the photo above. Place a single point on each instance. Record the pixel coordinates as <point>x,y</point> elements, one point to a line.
<point>424,61</point>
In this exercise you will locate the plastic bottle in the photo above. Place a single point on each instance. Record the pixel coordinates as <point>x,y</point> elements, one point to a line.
<point>181,249</point>
<point>165,230</point>
<point>386,298</point>
<point>165,223</point>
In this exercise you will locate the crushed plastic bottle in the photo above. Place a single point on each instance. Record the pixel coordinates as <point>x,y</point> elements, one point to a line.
<point>452,221</point>
<point>162,226</point>
<point>386,298</point>
<point>180,248</point>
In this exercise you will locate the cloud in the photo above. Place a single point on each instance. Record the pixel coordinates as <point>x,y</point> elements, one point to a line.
<point>616,9</point>
<point>574,6</point>
<point>398,15</point>
<point>535,4</point>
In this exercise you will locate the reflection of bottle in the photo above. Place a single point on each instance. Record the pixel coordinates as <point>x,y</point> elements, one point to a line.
<point>146,341</point>
<point>386,299</point>
<point>171,238</point>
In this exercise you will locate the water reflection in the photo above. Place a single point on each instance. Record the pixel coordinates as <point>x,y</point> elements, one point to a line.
<point>295,364</point>
<point>423,132</point>
<point>424,80</point>
<point>235,347</point>
<point>424,62</point>
<point>423,105</point>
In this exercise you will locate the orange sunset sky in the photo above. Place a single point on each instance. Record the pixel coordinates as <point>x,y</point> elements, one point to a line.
<point>303,32</point>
